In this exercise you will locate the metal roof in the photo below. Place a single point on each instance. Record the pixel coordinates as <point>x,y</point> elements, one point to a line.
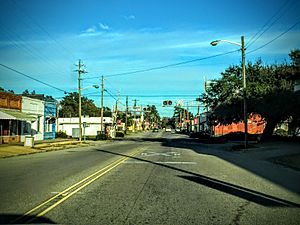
<point>11,114</point>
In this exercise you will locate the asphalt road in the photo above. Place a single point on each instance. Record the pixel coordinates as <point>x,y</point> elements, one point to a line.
<point>151,178</point>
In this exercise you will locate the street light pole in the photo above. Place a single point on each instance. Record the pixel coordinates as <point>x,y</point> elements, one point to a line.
<point>242,45</point>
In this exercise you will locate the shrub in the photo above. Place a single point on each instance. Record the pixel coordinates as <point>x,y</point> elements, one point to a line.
<point>61,134</point>
<point>101,137</point>
<point>281,132</point>
<point>119,134</point>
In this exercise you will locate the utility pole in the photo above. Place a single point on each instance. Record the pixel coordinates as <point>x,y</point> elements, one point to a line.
<point>134,111</point>
<point>126,114</point>
<point>141,115</point>
<point>198,110</point>
<point>80,71</point>
<point>112,117</point>
<point>117,102</point>
<point>180,118</point>
<point>244,91</point>
<point>188,116</point>
<point>102,103</point>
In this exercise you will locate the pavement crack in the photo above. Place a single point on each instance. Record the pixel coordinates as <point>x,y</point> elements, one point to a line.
<point>240,211</point>
<point>139,194</point>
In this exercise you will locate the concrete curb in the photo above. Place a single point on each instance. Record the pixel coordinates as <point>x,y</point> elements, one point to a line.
<point>46,147</point>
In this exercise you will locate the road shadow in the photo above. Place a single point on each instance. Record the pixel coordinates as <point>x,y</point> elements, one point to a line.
<point>232,189</point>
<point>20,219</point>
<point>287,178</point>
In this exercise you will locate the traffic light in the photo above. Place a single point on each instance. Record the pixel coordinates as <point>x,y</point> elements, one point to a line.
<point>167,102</point>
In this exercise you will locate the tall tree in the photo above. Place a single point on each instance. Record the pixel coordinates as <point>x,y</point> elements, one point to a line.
<point>269,93</point>
<point>70,104</point>
<point>151,114</point>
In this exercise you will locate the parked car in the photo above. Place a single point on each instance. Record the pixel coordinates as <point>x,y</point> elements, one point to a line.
<point>200,134</point>
<point>168,129</point>
<point>155,129</point>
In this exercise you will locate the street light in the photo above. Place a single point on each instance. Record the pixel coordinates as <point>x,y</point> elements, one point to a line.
<point>242,45</point>
<point>79,107</point>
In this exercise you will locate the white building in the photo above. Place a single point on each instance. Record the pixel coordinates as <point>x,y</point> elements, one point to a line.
<point>90,125</point>
<point>34,108</point>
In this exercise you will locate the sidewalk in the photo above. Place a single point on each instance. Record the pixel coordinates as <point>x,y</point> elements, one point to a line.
<point>284,153</point>
<point>14,149</point>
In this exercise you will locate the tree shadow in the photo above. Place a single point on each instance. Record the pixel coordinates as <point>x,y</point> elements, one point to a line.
<point>20,219</point>
<point>232,189</point>
<point>287,179</point>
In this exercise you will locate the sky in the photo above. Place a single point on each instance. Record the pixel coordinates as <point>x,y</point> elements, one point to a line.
<point>46,39</point>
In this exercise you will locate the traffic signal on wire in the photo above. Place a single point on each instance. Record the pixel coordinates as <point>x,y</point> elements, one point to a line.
<point>167,102</point>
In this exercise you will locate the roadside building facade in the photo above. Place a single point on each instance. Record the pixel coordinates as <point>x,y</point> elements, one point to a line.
<point>90,125</point>
<point>14,124</point>
<point>34,108</point>
<point>50,115</point>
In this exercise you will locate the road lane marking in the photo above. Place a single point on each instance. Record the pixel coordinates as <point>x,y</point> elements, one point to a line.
<point>168,154</point>
<point>67,193</point>
<point>158,162</point>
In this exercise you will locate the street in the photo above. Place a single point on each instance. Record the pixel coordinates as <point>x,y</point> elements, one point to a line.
<point>148,178</point>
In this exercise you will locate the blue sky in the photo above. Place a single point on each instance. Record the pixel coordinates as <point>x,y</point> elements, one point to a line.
<point>45,39</point>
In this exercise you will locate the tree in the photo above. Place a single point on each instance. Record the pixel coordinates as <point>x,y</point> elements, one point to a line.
<point>151,114</point>
<point>269,94</point>
<point>183,112</point>
<point>8,91</point>
<point>26,92</point>
<point>70,107</point>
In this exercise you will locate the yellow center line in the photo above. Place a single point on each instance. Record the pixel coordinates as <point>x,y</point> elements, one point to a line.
<point>81,187</point>
<point>107,168</point>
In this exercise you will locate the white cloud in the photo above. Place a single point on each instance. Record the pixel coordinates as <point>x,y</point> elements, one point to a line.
<point>104,26</point>
<point>92,29</point>
<point>129,17</point>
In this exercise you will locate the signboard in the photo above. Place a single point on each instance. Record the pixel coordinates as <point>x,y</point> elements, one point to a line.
<point>85,124</point>
<point>196,121</point>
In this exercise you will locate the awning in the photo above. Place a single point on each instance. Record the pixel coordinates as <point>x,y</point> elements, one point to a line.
<point>11,114</point>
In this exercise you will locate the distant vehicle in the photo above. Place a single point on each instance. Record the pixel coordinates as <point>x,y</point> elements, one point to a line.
<point>177,130</point>
<point>168,129</point>
<point>200,134</point>
<point>155,129</point>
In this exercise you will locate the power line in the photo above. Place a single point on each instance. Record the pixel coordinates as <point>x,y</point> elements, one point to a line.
<point>110,84</point>
<point>30,77</point>
<point>166,66</point>
<point>111,95</point>
<point>255,37</point>
<point>22,45</point>
<point>169,65</point>
<point>151,96</point>
<point>274,39</point>
<point>22,10</point>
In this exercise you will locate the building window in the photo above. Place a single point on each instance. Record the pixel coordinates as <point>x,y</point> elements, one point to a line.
<point>49,123</point>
